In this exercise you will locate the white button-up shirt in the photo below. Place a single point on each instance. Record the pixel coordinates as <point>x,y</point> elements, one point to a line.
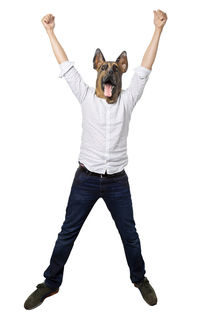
<point>104,126</point>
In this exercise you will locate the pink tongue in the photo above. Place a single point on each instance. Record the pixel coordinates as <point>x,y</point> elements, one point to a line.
<point>108,90</point>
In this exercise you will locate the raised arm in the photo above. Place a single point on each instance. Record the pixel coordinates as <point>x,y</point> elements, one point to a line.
<point>160,19</point>
<point>68,71</point>
<point>49,23</point>
<point>135,90</point>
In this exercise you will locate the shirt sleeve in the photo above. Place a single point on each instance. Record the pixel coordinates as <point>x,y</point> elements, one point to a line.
<point>74,80</point>
<point>135,90</point>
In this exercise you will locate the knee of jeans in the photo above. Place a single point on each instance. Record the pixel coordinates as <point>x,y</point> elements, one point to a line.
<point>131,239</point>
<point>65,232</point>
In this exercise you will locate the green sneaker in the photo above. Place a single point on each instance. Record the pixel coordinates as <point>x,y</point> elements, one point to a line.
<point>38,296</point>
<point>147,291</point>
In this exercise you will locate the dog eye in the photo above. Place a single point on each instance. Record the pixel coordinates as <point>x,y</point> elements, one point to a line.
<point>104,67</point>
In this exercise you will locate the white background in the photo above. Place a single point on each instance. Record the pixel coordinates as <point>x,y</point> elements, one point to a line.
<point>40,131</point>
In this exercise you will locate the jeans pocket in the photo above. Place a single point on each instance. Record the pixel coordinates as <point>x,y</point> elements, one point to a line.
<point>122,176</point>
<point>77,173</point>
<point>80,176</point>
<point>122,180</point>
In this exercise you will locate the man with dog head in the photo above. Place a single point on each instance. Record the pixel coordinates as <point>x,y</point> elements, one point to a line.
<point>106,112</point>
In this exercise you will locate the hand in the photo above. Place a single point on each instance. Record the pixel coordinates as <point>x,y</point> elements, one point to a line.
<point>48,21</point>
<point>160,19</point>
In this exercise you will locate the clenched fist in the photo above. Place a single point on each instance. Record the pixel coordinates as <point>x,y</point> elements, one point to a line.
<point>48,22</point>
<point>160,19</point>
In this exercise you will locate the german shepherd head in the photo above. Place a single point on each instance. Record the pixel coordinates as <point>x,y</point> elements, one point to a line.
<point>109,75</point>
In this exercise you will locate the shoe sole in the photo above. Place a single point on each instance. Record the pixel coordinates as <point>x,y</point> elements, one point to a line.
<point>51,294</point>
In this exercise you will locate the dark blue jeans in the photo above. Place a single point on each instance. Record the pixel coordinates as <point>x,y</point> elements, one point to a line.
<point>86,189</point>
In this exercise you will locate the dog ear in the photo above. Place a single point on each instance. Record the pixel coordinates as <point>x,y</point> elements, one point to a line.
<point>98,59</point>
<point>123,62</point>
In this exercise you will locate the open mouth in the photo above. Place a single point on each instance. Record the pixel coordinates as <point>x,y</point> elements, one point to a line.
<point>108,87</point>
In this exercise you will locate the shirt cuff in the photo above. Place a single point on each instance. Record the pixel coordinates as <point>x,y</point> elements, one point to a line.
<point>142,71</point>
<point>64,67</point>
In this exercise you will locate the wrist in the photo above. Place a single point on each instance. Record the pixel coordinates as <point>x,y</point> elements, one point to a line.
<point>50,31</point>
<point>158,29</point>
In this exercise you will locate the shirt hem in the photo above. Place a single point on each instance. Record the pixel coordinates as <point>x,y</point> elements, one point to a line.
<point>92,169</point>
